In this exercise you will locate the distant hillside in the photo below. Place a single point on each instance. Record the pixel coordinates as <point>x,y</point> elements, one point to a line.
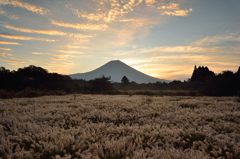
<point>116,70</point>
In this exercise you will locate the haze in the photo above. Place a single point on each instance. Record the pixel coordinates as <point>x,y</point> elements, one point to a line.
<point>162,38</point>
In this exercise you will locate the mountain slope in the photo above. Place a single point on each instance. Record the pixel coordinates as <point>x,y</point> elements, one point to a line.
<point>116,70</point>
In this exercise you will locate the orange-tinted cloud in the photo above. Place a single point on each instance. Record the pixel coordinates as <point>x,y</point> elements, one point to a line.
<point>173,9</point>
<point>80,26</point>
<point>14,62</point>
<point>9,43</point>
<point>5,54</point>
<point>108,11</point>
<point>5,49</point>
<point>18,37</point>
<point>150,2</point>
<point>114,10</point>
<point>75,36</point>
<point>27,30</point>
<point>24,5</point>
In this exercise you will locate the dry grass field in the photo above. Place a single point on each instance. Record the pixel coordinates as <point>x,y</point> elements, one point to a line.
<point>116,127</point>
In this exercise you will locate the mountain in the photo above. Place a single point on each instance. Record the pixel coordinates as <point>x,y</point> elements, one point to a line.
<point>116,69</point>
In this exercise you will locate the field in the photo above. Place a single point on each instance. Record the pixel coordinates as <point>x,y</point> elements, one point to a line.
<point>116,127</point>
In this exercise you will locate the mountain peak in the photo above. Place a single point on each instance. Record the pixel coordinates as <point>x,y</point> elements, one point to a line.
<point>115,62</point>
<point>116,69</point>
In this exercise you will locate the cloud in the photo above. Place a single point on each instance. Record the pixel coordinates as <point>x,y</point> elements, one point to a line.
<point>10,16</point>
<point>217,39</point>
<point>173,9</point>
<point>14,62</point>
<point>150,2</point>
<point>138,22</point>
<point>89,16</point>
<point>61,63</point>
<point>18,37</point>
<point>75,36</point>
<point>80,36</point>
<point>24,5</point>
<point>69,52</point>
<point>79,26</point>
<point>171,50</point>
<point>5,49</point>
<point>76,47</point>
<point>27,30</point>
<point>9,43</point>
<point>118,9</point>
<point>5,54</point>
<point>186,49</point>
<point>113,10</point>
<point>108,11</point>
<point>39,53</point>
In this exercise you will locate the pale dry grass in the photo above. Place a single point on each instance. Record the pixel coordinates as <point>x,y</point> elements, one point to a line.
<point>116,127</point>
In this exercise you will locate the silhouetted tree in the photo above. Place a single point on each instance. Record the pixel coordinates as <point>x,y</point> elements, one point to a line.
<point>202,74</point>
<point>238,72</point>
<point>102,84</point>
<point>125,80</point>
<point>5,78</point>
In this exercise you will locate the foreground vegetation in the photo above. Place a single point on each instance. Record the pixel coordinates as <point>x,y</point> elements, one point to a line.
<point>118,127</point>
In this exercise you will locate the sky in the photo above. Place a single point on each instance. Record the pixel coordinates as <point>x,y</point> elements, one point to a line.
<point>162,38</point>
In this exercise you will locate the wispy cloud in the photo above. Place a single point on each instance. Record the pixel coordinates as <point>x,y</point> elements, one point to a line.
<point>217,39</point>
<point>76,36</point>
<point>24,5</point>
<point>39,53</point>
<point>76,47</point>
<point>9,43</point>
<point>15,62</point>
<point>27,30</point>
<point>5,49</point>
<point>173,9</point>
<point>150,2</point>
<point>69,52</point>
<point>169,50</point>
<point>10,16</point>
<point>80,26</point>
<point>185,49</point>
<point>139,22</point>
<point>60,62</point>
<point>80,36</point>
<point>18,37</point>
<point>5,54</point>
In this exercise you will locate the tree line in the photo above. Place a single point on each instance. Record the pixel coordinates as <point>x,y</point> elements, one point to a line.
<point>36,80</point>
<point>31,79</point>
